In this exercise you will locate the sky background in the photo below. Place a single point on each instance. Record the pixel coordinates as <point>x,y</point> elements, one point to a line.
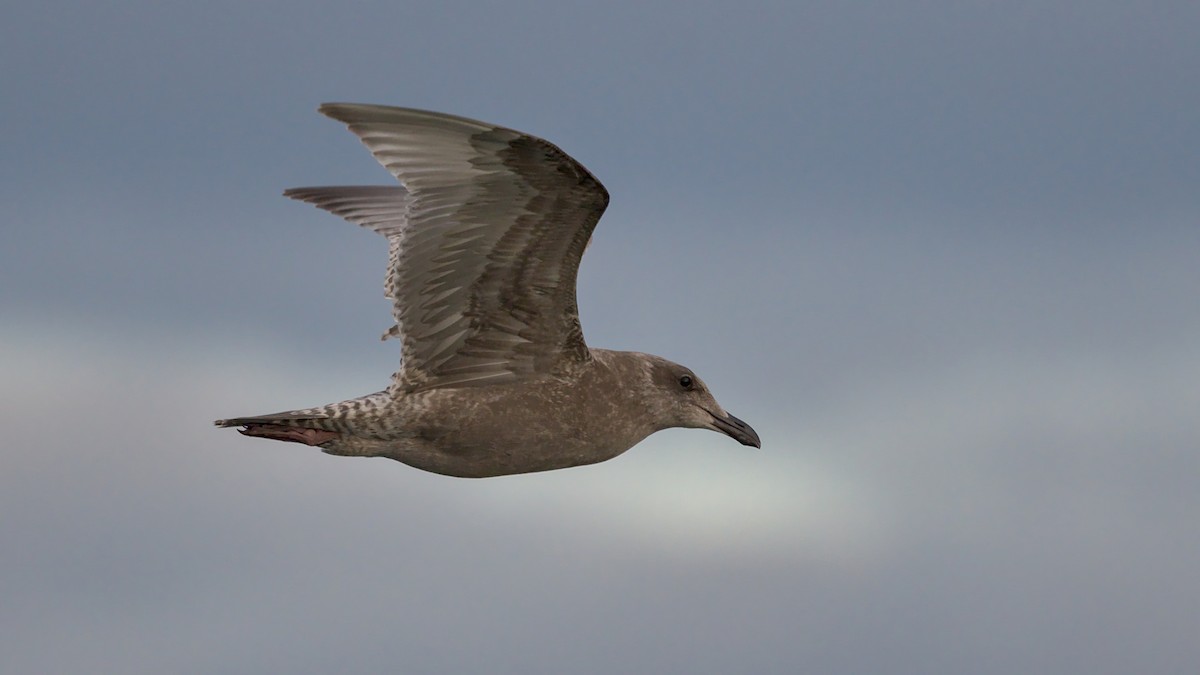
<point>944,256</point>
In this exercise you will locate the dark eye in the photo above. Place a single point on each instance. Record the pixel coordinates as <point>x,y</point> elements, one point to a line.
<point>686,382</point>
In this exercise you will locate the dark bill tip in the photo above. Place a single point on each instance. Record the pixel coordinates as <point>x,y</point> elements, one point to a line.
<point>737,430</point>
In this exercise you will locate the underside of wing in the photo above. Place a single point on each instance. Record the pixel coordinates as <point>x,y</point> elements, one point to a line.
<point>486,235</point>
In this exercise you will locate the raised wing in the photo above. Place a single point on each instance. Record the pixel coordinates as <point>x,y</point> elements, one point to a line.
<point>486,237</point>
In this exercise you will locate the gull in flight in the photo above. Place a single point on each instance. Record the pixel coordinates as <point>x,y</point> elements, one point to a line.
<point>485,231</point>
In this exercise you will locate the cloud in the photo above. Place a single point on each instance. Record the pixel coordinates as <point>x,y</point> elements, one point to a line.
<point>962,499</point>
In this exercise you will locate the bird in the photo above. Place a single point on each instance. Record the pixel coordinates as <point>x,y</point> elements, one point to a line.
<point>486,230</point>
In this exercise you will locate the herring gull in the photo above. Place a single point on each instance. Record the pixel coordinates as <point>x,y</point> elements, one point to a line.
<point>485,231</point>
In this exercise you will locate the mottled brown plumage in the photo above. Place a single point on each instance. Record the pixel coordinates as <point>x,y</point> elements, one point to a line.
<point>486,232</point>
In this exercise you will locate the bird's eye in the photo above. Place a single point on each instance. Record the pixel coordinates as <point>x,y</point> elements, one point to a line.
<point>686,382</point>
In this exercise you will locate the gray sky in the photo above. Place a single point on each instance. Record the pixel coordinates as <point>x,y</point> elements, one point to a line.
<point>942,255</point>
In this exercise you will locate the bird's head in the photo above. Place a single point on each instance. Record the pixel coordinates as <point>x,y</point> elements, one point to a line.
<point>683,400</point>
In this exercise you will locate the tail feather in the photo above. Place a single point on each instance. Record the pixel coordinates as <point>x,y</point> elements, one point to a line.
<point>332,427</point>
<point>295,427</point>
<point>300,418</point>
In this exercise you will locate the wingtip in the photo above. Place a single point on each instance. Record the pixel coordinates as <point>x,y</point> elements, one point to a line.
<point>329,109</point>
<point>367,113</point>
<point>347,112</point>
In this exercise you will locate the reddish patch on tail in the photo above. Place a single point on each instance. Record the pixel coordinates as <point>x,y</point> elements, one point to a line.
<point>290,434</point>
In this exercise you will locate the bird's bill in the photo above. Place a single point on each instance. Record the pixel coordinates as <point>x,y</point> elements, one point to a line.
<point>736,429</point>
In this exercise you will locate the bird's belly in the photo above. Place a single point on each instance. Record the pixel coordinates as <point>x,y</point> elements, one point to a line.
<point>480,448</point>
<point>503,429</point>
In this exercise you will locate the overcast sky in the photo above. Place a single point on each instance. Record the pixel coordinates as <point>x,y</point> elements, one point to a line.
<point>944,256</point>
